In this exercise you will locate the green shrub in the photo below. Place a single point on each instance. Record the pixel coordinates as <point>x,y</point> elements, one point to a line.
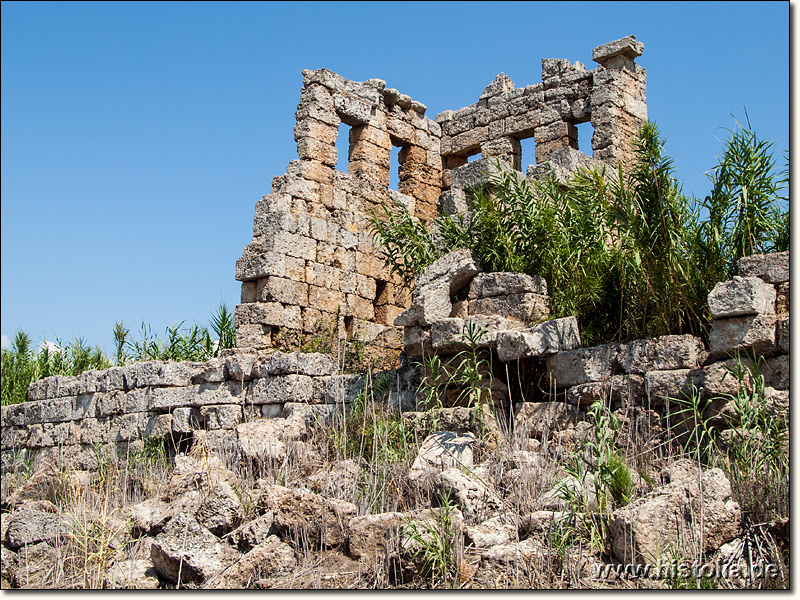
<point>628,254</point>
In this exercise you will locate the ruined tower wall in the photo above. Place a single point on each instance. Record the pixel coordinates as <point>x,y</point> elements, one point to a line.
<point>312,258</point>
<point>611,97</point>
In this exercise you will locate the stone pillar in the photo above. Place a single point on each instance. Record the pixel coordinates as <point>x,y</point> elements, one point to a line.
<point>618,101</point>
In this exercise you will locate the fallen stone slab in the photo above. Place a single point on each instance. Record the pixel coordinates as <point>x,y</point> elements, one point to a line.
<point>741,296</point>
<point>29,525</point>
<point>442,450</point>
<point>455,269</point>
<point>674,518</point>
<point>305,519</point>
<point>550,337</point>
<point>186,551</point>
<point>474,496</point>
<point>488,285</point>
<point>270,558</point>
<point>132,575</point>
<point>221,510</point>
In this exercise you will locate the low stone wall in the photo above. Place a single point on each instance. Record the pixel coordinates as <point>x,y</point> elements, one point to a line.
<point>67,418</point>
<point>751,322</point>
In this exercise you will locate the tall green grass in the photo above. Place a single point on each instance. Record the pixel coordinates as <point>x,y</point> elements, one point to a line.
<point>20,364</point>
<point>627,253</point>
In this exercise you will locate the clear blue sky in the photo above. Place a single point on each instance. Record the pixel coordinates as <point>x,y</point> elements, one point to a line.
<point>137,138</point>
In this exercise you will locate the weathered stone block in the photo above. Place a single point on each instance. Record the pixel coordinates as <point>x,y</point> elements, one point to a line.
<point>574,367</point>
<point>741,296</point>
<point>430,304</point>
<point>552,336</point>
<point>627,46</point>
<point>473,175</point>
<point>280,389</point>
<point>488,285</point>
<point>772,268</point>
<point>417,340</point>
<point>537,419</point>
<point>221,416</point>
<point>186,420</point>
<point>660,354</point>
<point>678,383</point>
<point>528,308</point>
<point>162,399</point>
<point>252,266</point>
<point>285,291</point>
<point>337,389</point>
<point>313,364</point>
<point>743,334</point>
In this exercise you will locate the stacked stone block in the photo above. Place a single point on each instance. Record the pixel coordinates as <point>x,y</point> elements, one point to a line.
<point>312,261</point>
<point>611,97</point>
<point>72,418</point>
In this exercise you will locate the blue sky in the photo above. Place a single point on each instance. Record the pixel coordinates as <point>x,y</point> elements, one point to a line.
<point>137,138</point>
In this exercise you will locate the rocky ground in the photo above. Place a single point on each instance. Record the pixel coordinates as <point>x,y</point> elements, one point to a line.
<point>451,498</point>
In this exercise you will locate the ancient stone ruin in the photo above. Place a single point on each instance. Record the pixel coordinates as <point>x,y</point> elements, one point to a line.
<point>312,260</point>
<point>254,497</point>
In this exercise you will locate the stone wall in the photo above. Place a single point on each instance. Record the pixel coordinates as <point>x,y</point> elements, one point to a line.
<point>610,97</point>
<point>72,419</point>
<point>312,261</point>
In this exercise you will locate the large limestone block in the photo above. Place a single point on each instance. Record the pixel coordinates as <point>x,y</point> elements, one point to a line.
<point>267,440</point>
<point>432,303</point>
<point>537,419</point>
<point>743,334</point>
<point>270,558</point>
<point>552,336</point>
<point>303,518</point>
<point>741,296</point>
<point>453,335</point>
<point>456,268</point>
<point>669,519</point>
<point>443,450</point>
<point>221,510</point>
<point>772,268</point>
<point>313,364</point>
<point>281,389</point>
<point>583,365</point>
<point>30,525</point>
<point>474,496</point>
<point>417,341</point>
<point>473,175</point>
<point>187,548</point>
<point>370,535</point>
<point>162,399</point>
<point>677,383</point>
<point>662,353</point>
<point>525,307</point>
<point>337,389</point>
<point>487,285</point>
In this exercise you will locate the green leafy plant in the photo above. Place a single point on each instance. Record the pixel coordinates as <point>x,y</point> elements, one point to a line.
<point>434,545</point>
<point>625,252</point>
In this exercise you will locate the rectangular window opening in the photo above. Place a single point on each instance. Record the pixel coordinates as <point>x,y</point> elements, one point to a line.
<point>528,154</point>
<point>394,167</point>
<point>343,149</point>
<point>585,133</point>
